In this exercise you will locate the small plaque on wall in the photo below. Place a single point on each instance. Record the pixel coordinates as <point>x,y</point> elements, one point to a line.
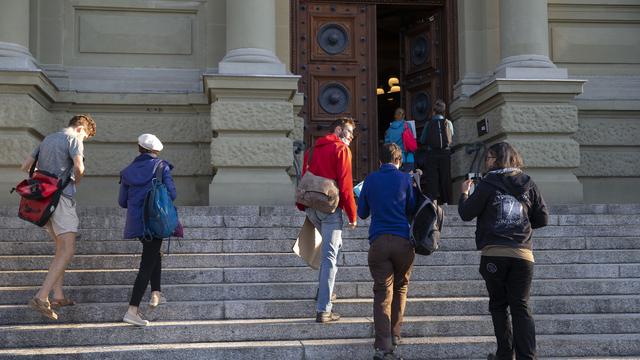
<point>483,127</point>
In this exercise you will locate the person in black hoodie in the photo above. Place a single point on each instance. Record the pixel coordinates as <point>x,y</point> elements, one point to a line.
<point>508,206</point>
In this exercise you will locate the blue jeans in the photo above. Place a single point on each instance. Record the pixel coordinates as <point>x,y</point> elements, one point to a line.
<point>330,228</point>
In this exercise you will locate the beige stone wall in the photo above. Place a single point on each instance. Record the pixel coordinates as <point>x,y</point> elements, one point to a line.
<point>183,128</point>
<point>600,42</point>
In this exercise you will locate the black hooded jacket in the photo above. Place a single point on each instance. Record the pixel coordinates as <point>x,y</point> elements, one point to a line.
<point>508,206</point>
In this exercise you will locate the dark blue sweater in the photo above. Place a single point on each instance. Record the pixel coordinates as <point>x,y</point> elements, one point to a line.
<point>386,195</point>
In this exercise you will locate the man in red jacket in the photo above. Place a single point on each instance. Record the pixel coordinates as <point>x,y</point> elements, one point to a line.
<point>331,159</point>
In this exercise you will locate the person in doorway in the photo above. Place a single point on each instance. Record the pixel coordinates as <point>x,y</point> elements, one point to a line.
<point>331,159</point>
<point>394,135</point>
<point>387,195</point>
<point>437,136</point>
<point>61,153</point>
<point>508,205</point>
<point>135,183</point>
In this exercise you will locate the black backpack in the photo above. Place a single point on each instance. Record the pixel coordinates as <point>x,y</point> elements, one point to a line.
<point>426,222</point>
<point>438,133</point>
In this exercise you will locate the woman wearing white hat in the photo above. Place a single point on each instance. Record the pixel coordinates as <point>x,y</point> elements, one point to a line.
<point>135,182</point>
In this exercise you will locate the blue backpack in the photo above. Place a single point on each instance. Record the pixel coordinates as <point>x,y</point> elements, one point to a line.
<point>160,216</point>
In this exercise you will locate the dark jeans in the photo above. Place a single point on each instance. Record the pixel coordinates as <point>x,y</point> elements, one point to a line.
<point>150,270</point>
<point>509,284</point>
<point>437,175</point>
<point>390,262</point>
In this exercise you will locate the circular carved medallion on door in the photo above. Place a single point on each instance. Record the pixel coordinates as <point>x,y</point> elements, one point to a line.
<point>333,39</point>
<point>419,50</point>
<point>334,98</point>
<point>421,106</point>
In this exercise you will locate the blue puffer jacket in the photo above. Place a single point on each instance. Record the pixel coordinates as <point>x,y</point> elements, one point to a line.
<point>135,182</point>
<point>394,135</point>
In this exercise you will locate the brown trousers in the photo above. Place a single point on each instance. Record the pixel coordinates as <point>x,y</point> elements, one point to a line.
<point>390,262</point>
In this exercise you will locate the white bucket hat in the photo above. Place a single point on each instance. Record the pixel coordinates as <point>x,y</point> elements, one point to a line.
<point>150,142</point>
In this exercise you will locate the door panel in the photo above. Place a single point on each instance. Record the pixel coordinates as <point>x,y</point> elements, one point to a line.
<point>335,56</point>
<point>422,68</point>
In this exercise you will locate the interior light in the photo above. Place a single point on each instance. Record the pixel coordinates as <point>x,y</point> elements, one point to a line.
<point>394,89</point>
<point>393,81</point>
<point>379,91</point>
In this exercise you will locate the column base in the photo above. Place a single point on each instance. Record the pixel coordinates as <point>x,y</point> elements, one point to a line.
<point>237,186</point>
<point>529,67</point>
<point>16,57</point>
<point>246,61</point>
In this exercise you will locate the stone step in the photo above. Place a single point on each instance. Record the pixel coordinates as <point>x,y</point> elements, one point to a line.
<point>279,309</point>
<point>305,274</point>
<point>117,222</point>
<point>104,247</point>
<point>129,261</point>
<point>259,233</point>
<point>470,348</point>
<point>282,290</point>
<point>253,210</point>
<point>163,332</point>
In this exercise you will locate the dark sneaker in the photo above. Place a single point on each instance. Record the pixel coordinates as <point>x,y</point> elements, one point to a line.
<point>381,355</point>
<point>334,296</point>
<point>325,317</point>
<point>395,341</point>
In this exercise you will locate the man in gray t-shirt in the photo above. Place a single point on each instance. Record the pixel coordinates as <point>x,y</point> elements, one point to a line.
<point>56,153</point>
<point>61,153</point>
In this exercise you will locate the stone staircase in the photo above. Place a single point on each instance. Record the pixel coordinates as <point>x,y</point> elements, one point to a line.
<point>235,291</point>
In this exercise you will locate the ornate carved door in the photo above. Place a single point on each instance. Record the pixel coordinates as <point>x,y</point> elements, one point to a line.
<point>334,51</point>
<point>423,67</point>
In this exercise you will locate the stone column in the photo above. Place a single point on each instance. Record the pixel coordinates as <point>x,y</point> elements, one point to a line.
<point>14,36</point>
<point>524,41</point>
<point>252,112</point>
<point>251,39</point>
<point>528,102</point>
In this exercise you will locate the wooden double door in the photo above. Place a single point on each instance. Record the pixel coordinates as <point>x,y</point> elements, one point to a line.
<point>334,49</point>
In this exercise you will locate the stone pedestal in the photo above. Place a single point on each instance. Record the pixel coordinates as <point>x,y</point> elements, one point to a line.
<point>538,117</point>
<point>24,120</point>
<point>251,118</point>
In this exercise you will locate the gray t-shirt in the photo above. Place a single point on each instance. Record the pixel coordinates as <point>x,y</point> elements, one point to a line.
<point>55,155</point>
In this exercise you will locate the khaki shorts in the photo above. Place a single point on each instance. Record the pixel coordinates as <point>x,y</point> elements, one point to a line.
<point>64,219</point>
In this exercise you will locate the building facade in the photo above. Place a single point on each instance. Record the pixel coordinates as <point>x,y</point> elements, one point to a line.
<point>230,85</point>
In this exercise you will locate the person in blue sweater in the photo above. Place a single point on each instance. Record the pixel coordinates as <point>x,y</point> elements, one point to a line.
<point>394,135</point>
<point>388,196</point>
<point>135,183</point>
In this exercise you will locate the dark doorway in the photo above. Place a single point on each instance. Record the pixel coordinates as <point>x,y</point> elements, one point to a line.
<point>409,62</point>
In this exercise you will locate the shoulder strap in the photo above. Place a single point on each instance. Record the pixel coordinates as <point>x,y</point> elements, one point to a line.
<point>313,146</point>
<point>157,170</point>
<point>35,161</point>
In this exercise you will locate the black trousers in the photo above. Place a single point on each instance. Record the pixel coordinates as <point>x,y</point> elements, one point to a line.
<point>509,284</point>
<point>437,175</point>
<point>150,270</point>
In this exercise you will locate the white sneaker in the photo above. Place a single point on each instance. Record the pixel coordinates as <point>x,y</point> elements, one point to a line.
<point>136,320</point>
<point>157,300</point>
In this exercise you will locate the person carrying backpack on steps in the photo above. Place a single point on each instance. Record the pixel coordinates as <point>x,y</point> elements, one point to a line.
<point>61,153</point>
<point>388,196</point>
<point>437,136</point>
<point>135,183</point>
<point>508,205</point>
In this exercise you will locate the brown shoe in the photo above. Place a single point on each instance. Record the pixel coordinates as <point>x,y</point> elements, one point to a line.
<point>58,303</point>
<point>325,317</point>
<point>43,307</point>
